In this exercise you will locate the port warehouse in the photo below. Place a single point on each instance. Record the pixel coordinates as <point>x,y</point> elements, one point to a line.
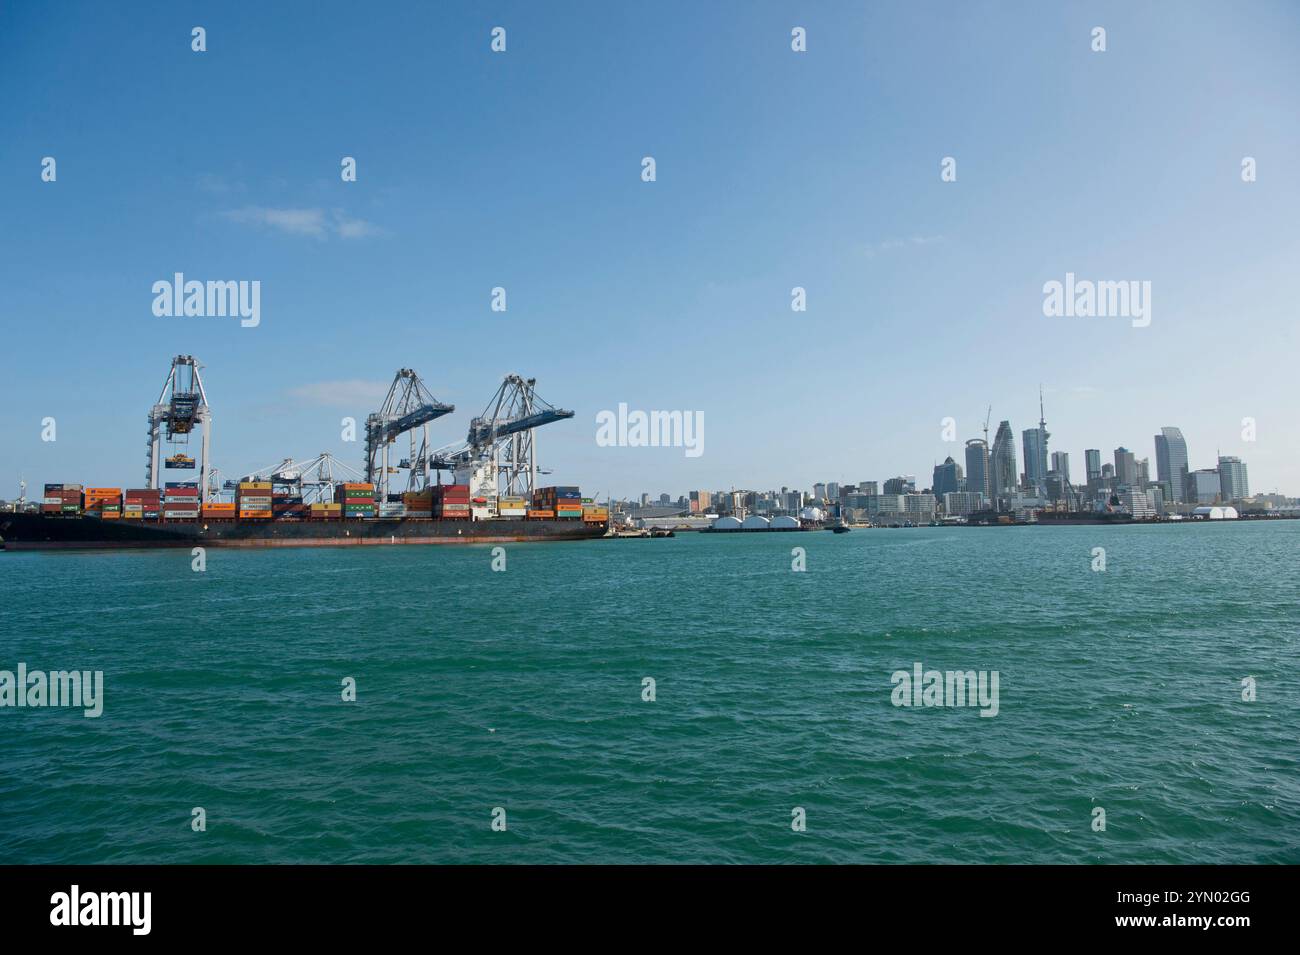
<point>180,502</point>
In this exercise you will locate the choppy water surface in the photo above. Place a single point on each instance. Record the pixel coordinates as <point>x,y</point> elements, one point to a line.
<point>523,690</point>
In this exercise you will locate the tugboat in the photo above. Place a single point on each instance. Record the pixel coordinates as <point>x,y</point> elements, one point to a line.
<point>838,526</point>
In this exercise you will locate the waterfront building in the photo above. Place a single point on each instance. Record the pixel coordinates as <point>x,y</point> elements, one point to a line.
<point>947,477</point>
<point>885,504</point>
<point>1203,487</point>
<point>919,507</point>
<point>977,466</point>
<point>1171,463</point>
<point>1141,504</point>
<point>963,503</point>
<point>1233,484</point>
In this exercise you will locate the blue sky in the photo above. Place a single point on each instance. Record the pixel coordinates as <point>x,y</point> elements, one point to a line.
<point>775,170</point>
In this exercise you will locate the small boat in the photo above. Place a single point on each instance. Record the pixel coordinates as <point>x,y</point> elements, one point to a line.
<point>838,527</point>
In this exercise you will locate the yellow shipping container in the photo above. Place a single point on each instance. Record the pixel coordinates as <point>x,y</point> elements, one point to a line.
<point>255,485</point>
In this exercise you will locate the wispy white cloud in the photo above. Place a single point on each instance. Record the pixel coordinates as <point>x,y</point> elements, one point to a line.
<point>890,245</point>
<point>316,223</point>
<point>351,393</point>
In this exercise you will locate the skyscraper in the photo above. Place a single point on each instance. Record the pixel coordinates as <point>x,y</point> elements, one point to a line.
<point>1002,479</point>
<point>947,478</point>
<point>1203,486</point>
<point>1035,445</point>
<point>1232,478</point>
<point>1171,463</point>
<point>1092,464</point>
<point>1126,474</point>
<point>977,466</point>
<point>1061,465</point>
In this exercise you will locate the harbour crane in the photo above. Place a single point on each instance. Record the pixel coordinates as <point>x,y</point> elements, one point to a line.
<point>314,480</point>
<point>499,454</point>
<point>182,406</point>
<point>409,406</point>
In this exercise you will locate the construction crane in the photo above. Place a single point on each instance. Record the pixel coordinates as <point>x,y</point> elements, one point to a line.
<point>314,480</point>
<point>182,406</point>
<point>987,418</point>
<point>499,455</point>
<point>409,406</point>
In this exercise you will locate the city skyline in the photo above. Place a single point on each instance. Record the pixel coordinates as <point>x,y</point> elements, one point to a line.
<point>818,170</point>
<point>1120,459</point>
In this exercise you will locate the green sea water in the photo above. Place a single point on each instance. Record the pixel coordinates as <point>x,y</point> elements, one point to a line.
<point>476,689</point>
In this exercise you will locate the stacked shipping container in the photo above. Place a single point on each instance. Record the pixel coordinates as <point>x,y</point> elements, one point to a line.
<point>287,506</point>
<point>562,502</point>
<point>451,501</point>
<point>418,503</point>
<point>257,500</point>
<point>358,499</point>
<point>181,501</point>
<point>142,504</point>
<point>61,499</point>
<point>105,502</point>
<point>253,500</point>
<point>512,507</point>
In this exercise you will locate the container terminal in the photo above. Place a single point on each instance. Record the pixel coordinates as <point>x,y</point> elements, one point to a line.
<point>490,494</point>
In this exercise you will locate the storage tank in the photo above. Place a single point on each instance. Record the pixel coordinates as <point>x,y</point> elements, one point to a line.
<point>811,514</point>
<point>726,524</point>
<point>784,523</point>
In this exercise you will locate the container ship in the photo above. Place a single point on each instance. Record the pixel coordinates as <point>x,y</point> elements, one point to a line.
<point>77,518</point>
<point>491,498</point>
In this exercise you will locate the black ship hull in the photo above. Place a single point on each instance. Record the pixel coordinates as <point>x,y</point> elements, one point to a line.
<point>40,532</point>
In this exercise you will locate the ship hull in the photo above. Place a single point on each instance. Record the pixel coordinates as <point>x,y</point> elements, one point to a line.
<point>39,532</point>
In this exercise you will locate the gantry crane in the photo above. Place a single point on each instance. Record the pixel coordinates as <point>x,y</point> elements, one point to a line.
<point>499,455</point>
<point>314,480</point>
<point>409,406</point>
<point>182,406</point>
